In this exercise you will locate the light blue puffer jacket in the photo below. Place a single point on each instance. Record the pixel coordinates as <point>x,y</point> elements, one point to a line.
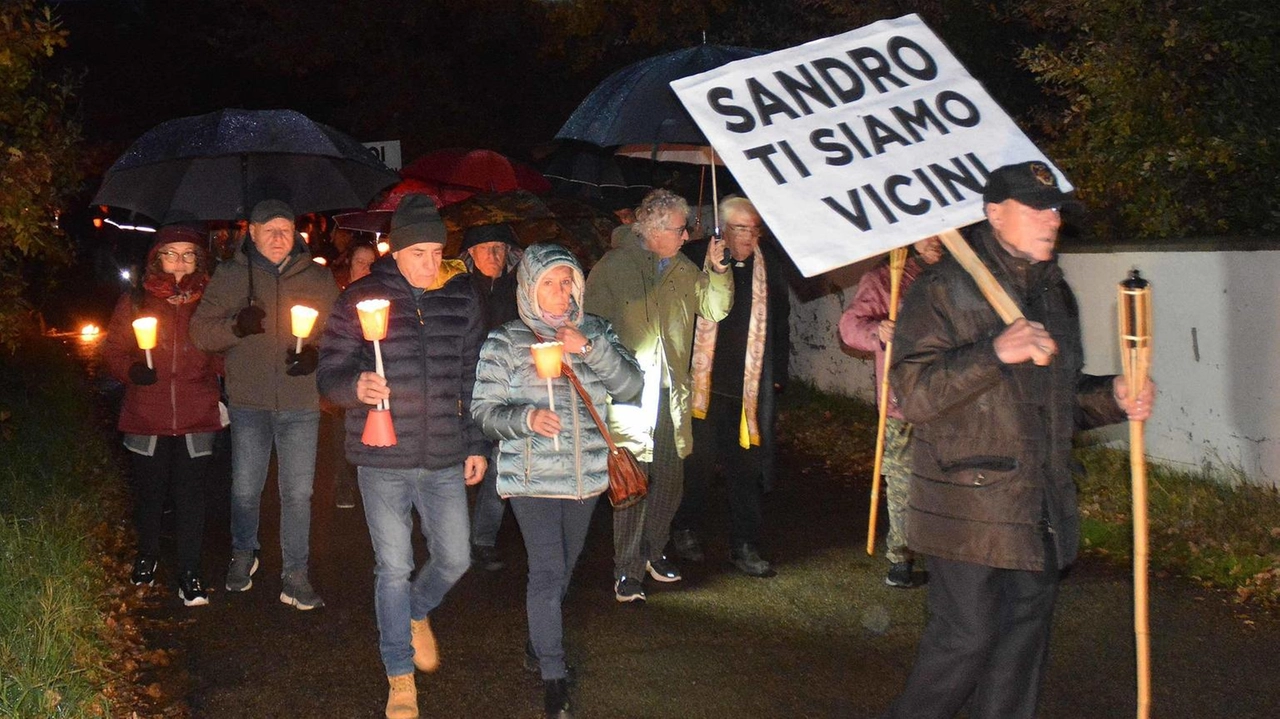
<point>508,389</point>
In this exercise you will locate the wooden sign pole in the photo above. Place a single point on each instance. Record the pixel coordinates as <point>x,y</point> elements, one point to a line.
<point>897,263</point>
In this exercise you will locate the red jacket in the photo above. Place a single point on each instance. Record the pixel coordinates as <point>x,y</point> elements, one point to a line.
<point>184,399</point>
<point>860,322</point>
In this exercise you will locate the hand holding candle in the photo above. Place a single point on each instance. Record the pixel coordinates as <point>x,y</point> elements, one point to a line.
<point>546,360</point>
<point>374,316</point>
<point>144,328</point>
<point>303,320</point>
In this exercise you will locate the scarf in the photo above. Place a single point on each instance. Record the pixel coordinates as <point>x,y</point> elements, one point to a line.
<point>704,350</point>
<point>189,289</point>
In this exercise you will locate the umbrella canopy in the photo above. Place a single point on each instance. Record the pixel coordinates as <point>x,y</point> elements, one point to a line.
<point>582,229</point>
<point>374,221</point>
<point>458,174</point>
<point>217,166</point>
<point>390,199</point>
<point>636,105</point>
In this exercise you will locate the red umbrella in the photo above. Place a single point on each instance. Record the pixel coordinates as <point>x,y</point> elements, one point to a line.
<point>392,197</point>
<point>458,174</point>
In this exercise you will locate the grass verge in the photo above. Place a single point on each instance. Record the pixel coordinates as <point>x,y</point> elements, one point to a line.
<point>1211,526</point>
<point>59,482</point>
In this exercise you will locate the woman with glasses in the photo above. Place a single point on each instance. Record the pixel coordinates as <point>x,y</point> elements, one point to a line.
<point>170,411</point>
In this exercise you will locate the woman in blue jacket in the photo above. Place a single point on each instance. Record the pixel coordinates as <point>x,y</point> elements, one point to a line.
<point>552,491</point>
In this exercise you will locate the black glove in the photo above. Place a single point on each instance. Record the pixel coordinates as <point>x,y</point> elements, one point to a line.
<point>249,321</point>
<point>301,363</point>
<point>142,375</point>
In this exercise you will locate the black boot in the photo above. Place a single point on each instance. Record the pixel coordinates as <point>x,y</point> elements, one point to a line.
<point>556,700</point>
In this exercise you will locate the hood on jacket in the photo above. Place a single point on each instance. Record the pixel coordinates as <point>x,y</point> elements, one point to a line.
<point>537,260</point>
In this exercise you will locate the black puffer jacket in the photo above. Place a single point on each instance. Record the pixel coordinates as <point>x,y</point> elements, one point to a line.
<point>429,358</point>
<point>992,442</point>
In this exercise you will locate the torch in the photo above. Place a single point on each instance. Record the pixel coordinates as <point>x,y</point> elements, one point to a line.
<point>1135,355</point>
<point>303,319</point>
<point>897,263</point>
<point>378,430</point>
<point>144,328</point>
<point>546,359</point>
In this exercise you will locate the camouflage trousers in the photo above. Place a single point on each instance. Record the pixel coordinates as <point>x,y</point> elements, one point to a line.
<point>896,468</point>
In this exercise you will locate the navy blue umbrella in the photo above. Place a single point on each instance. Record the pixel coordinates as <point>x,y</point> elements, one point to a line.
<point>636,105</point>
<point>219,165</point>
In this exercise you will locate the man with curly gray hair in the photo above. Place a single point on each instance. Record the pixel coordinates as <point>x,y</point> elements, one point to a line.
<point>651,294</point>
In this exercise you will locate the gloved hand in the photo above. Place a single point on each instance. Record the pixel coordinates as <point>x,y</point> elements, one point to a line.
<point>249,321</point>
<point>141,375</point>
<point>301,363</point>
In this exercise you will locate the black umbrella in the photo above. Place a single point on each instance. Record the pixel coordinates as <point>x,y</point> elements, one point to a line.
<point>636,105</point>
<point>217,166</point>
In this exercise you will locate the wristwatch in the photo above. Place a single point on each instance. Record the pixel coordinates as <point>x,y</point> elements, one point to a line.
<point>586,349</point>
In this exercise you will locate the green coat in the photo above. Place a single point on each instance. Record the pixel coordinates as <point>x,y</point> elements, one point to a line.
<point>654,318</point>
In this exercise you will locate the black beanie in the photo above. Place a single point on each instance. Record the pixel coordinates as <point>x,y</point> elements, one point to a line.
<point>480,234</point>
<point>415,220</point>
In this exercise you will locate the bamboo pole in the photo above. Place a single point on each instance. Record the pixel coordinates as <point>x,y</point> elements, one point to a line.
<point>1134,307</point>
<point>897,263</point>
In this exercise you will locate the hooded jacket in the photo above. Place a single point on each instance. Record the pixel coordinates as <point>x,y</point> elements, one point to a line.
<point>991,449</point>
<point>508,389</point>
<point>255,364</point>
<point>429,359</point>
<point>184,398</point>
<point>654,318</point>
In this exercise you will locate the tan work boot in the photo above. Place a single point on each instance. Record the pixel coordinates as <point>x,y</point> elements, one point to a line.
<point>426,655</point>
<point>402,700</point>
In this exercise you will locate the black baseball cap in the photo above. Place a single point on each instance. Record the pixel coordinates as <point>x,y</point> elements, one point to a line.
<point>1031,183</point>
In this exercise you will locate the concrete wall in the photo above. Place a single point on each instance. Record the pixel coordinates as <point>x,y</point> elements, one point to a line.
<point>1216,353</point>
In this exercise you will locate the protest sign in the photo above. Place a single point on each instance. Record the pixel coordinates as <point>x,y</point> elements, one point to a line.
<point>858,143</point>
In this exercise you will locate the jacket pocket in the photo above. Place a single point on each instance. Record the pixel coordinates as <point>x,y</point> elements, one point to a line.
<point>979,471</point>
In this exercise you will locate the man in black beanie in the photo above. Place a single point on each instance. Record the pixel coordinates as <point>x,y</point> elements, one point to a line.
<point>434,331</point>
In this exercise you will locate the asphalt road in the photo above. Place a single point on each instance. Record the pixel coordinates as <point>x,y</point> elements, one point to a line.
<point>824,639</point>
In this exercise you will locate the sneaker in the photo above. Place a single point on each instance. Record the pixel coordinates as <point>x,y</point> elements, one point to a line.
<point>486,557</point>
<point>243,565</point>
<point>748,561</point>
<point>663,570</point>
<point>144,570</point>
<point>297,592</point>
<point>191,590</point>
<point>686,545</point>
<point>344,495</point>
<point>899,575</point>
<point>628,589</point>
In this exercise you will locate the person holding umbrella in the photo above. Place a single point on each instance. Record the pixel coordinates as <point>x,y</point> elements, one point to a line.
<point>170,411</point>
<point>245,316</point>
<point>651,293</point>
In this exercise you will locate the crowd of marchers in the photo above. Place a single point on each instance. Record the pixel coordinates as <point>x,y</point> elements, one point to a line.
<point>675,350</point>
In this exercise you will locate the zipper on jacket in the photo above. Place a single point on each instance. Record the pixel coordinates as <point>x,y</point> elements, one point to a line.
<point>528,453</point>
<point>577,441</point>
<point>173,370</point>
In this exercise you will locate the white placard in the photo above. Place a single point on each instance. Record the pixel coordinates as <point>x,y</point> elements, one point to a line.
<point>859,143</point>
<point>388,151</point>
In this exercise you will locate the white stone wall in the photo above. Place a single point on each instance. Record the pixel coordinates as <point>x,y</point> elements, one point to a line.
<point>1216,350</point>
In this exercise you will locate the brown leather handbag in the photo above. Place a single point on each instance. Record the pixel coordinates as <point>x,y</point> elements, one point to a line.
<point>628,482</point>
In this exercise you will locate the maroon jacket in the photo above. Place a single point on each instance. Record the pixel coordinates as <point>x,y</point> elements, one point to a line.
<point>184,399</point>
<point>860,322</point>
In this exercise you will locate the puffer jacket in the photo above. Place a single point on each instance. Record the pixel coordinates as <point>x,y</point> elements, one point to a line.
<point>255,364</point>
<point>654,317</point>
<point>992,476</point>
<point>429,360</point>
<point>184,398</point>
<point>860,321</point>
<point>508,389</point>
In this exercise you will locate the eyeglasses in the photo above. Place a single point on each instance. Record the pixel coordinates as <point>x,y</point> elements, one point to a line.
<point>173,256</point>
<point>679,229</point>
<point>747,229</point>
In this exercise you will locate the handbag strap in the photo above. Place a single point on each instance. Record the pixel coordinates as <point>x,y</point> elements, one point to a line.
<point>586,399</point>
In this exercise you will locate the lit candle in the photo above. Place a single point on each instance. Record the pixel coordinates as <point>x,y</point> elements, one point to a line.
<point>144,328</point>
<point>546,359</point>
<point>304,318</point>
<point>373,318</point>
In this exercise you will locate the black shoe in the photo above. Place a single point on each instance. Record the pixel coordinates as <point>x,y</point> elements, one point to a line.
<point>628,589</point>
<point>663,570</point>
<point>556,699</point>
<point>532,666</point>
<point>191,590</point>
<point>899,575</point>
<point>344,495</point>
<point>686,545</point>
<point>748,561</point>
<point>486,558</point>
<point>144,570</point>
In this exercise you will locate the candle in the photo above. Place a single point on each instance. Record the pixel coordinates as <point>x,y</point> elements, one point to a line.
<point>373,318</point>
<point>144,328</point>
<point>304,318</point>
<point>546,359</point>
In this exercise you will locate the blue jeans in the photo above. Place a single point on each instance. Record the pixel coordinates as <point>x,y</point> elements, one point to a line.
<point>390,496</point>
<point>253,432</point>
